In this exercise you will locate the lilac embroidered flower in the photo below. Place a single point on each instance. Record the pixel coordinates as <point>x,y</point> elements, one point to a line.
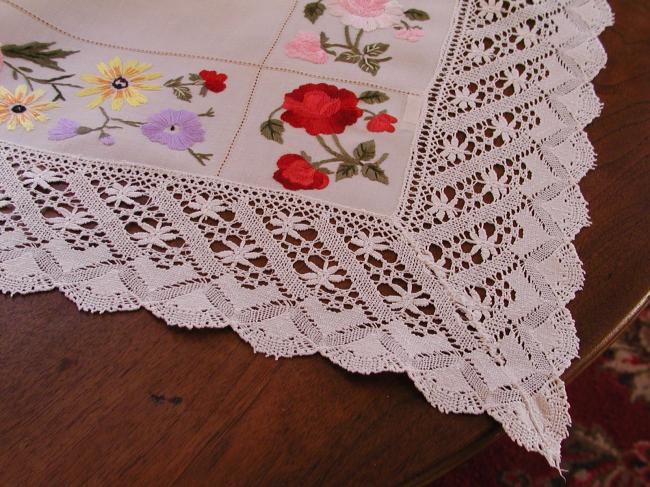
<point>177,129</point>
<point>64,129</point>
<point>106,139</point>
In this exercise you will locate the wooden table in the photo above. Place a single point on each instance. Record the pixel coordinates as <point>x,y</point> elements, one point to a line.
<point>124,400</point>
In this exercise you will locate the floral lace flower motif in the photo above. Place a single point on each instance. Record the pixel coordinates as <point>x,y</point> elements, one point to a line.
<point>526,35</point>
<point>119,194</point>
<point>382,122</point>
<point>453,149</point>
<point>465,99</point>
<point>483,244</point>
<point>154,235</point>
<point>406,299</point>
<point>493,184</point>
<point>120,82</point>
<point>306,46</point>
<point>177,129</point>
<point>20,107</point>
<point>326,277</point>
<point>205,208</point>
<point>239,253</point>
<point>321,109</point>
<point>491,9</point>
<point>287,225</point>
<point>479,54</point>
<point>514,79</point>
<point>64,129</point>
<point>410,34</point>
<point>38,178</point>
<point>294,173</point>
<point>442,206</point>
<point>71,220</point>
<point>366,14</point>
<point>504,129</point>
<point>369,245</point>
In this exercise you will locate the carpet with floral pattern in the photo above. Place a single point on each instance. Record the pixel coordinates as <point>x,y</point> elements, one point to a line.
<point>609,442</point>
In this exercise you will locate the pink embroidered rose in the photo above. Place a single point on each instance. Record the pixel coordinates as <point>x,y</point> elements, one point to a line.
<point>367,14</point>
<point>306,46</point>
<point>411,35</point>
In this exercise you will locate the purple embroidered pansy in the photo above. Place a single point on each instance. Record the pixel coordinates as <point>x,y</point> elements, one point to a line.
<point>177,129</point>
<point>64,129</point>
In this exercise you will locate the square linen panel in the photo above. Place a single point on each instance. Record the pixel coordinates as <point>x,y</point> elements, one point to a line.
<point>391,184</point>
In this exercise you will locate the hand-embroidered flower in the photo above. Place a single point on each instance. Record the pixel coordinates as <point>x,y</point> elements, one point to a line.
<point>294,172</point>
<point>64,129</point>
<point>177,129</point>
<point>213,81</point>
<point>321,108</point>
<point>306,46</point>
<point>411,35</point>
<point>21,108</point>
<point>120,82</point>
<point>366,14</point>
<point>106,139</point>
<point>382,122</point>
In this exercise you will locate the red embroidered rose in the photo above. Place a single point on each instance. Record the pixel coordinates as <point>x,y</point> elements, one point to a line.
<point>296,173</point>
<point>382,122</point>
<point>214,81</point>
<point>321,108</point>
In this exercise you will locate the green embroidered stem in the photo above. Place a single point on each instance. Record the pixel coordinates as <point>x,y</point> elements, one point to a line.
<point>53,82</point>
<point>200,157</point>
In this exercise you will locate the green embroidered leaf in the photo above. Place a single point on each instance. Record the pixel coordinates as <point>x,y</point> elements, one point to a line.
<point>345,171</point>
<point>365,151</point>
<point>348,57</point>
<point>194,77</point>
<point>38,53</point>
<point>203,91</point>
<point>25,69</point>
<point>372,97</point>
<point>417,15</point>
<point>323,169</point>
<point>313,11</point>
<point>171,83</point>
<point>305,156</point>
<point>272,129</point>
<point>376,49</point>
<point>369,66</point>
<point>374,173</point>
<point>183,93</point>
<point>324,44</point>
<point>83,130</point>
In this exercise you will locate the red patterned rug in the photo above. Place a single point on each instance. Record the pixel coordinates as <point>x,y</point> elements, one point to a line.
<point>609,443</point>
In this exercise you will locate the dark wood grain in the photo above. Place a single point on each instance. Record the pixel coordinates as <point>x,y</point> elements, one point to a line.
<point>124,400</point>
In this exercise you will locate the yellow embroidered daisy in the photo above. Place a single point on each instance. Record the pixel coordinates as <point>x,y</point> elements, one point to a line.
<point>20,107</point>
<point>121,82</point>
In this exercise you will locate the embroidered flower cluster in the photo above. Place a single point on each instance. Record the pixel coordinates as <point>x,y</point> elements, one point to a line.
<point>326,110</point>
<point>358,17</point>
<point>115,84</point>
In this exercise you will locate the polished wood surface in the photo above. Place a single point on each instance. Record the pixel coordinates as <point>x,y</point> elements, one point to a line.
<point>123,399</point>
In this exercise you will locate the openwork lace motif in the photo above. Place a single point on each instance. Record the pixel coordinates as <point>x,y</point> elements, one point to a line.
<point>464,288</point>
